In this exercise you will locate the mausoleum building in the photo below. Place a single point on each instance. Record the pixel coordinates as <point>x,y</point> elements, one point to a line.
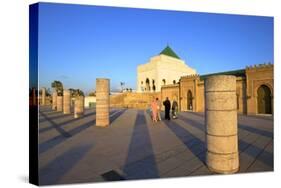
<point>163,69</point>
<point>166,75</point>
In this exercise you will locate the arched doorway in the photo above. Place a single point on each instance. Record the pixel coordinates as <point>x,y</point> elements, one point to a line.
<point>189,100</point>
<point>153,85</point>
<point>147,84</point>
<point>264,100</point>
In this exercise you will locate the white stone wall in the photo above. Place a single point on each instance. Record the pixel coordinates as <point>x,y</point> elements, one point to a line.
<point>89,99</point>
<point>161,67</point>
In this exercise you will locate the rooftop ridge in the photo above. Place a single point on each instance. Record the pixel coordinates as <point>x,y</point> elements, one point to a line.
<point>169,52</point>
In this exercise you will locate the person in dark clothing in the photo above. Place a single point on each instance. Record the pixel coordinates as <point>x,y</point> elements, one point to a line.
<point>167,105</point>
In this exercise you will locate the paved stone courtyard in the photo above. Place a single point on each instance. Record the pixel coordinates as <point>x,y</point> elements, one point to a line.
<point>75,150</point>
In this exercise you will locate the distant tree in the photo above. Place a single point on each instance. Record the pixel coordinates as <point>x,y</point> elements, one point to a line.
<point>57,85</point>
<point>131,89</point>
<point>79,92</point>
<point>48,92</point>
<point>92,94</point>
<point>76,92</point>
<point>72,92</point>
<point>122,84</point>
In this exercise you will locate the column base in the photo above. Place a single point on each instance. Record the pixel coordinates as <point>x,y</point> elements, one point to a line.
<point>223,172</point>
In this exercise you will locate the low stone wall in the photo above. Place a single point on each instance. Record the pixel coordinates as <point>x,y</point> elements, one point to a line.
<point>170,91</point>
<point>133,100</point>
<point>89,101</point>
<point>117,100</point>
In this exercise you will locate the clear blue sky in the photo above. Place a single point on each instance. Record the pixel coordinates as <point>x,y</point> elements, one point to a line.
<point>78,44</point>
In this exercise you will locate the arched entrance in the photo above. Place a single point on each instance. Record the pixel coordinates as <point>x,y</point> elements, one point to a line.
<point>153,85</point>
<point>264,100</point>
<point>189,100</point>
<point>147,84</point>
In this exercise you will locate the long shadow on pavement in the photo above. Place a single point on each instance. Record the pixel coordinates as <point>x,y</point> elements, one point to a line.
<point>194,144</point>
<point>140,162</point>
<point>201,127</point>
<point>55,125</point>
<point>249,149</point>
<point>54,171</point>
<point>256,131</point>
<point>254,151</point>
<point>195,124</point>
<point>256,117</point>
<point>242,126</point>
<point>60,115</point>
<point>45,146</point>
<point>199,114</point>
<point>116,114</point>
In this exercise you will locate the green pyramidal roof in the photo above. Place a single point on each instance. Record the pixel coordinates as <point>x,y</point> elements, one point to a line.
<point>169,52</point>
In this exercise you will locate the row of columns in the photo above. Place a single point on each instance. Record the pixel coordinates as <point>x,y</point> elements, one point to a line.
<point>63,103</point>
<point>220,118</point>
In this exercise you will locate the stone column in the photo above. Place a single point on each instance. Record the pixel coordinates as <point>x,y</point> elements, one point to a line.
<point>66,101</point>
<point>221,124</point>
<point>59,103</point>
<point>79,106</point>
<point>43,97</point>
<point>102,102</point>
<point>54,100</point>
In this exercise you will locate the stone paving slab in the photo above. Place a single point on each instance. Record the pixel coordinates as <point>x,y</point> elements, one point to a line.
<point>133,147</point>
<point>203,170</point>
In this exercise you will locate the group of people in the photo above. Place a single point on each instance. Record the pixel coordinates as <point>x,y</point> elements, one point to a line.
<point>156,109</point>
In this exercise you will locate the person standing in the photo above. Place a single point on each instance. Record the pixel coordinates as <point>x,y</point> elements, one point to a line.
<point>154,110</point>
<point>158,109</point>
<point>174,109</point>
<point>167,105</point>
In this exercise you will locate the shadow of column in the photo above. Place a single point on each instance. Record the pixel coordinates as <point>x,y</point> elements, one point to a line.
<point>114,116</point>
<point>194,144</point>
<point>140,162</point>
<point>256,131</point>
<point>247,148</point>
<point>45,146</point>
<point>255,152</point>
<point>195,124</point>
<point>60,125</point>
<point>56,169</point>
